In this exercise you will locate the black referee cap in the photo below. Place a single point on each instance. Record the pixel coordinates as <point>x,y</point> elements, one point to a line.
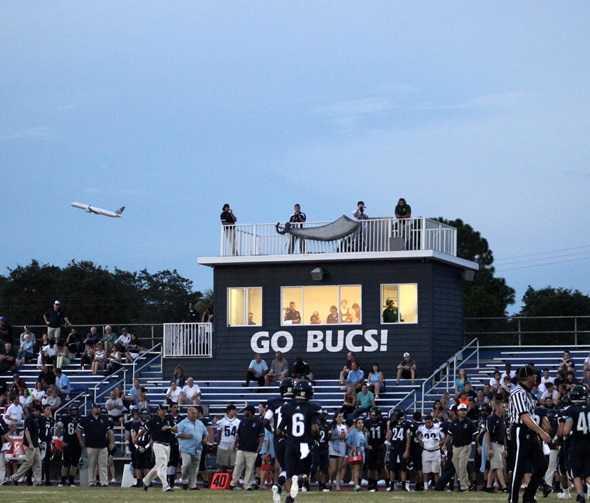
<point>525,372</point>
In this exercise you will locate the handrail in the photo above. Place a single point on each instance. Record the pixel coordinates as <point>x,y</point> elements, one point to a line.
<point>450,362</point>
<point>68,404</point>
<point>145,355</point>
<point>107,380</point>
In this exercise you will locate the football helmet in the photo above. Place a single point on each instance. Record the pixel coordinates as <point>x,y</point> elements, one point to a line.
<point>397,416</point>
<point>375,412</point>
<point>74,410</point>
<point>303,390</point>
<point>286,387</point>
<point>578,394</point>
<point>485,409</point>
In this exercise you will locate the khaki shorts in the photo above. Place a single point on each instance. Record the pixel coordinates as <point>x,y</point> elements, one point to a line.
<point>430,461</point>
<point>497,459</point>
<point>226,457</point>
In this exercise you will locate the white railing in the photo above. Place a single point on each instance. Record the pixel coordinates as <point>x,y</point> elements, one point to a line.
<point>188,339</point>
<point>375,235</point>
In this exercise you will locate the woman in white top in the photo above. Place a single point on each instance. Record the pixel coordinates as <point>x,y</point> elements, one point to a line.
<point>39,393</point>
<point>99,359</point>
<point>337,449</point>
<point>173,393</point>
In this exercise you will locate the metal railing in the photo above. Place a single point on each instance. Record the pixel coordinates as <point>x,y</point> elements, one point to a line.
<point>527,330</point>
<point>374,235</point>
<point>188,339</point>
<point>444,375</point>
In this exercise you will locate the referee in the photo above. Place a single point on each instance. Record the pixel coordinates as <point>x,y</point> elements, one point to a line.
<point>525,434</point>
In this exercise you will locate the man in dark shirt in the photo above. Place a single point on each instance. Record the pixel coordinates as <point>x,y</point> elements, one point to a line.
<point>398,434</point>
<point>32,453</point>
<point>297,218</point>
<point>495,437</point>
<point>162,428</point>
<point>292,315</point>
<point>98,439</point>
<point>461,433</point>
<point>228,221</point>
<point>247,444</point>
<point>54,319</point>
<point>191,315</point>
<point>8,356</point>
<point>376,428</point>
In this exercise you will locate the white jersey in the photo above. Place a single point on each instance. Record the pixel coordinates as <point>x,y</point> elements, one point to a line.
<point>228,429</point>
<point>431,437</point>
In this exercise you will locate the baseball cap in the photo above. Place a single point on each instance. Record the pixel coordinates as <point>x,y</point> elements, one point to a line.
<point>56,302</point>
<point>387,301</point>
<point>103,409</point>
<point>462,406</point>
<point>250,408</point>
<point>163,406</point>
<point>453,408</point>
<point>95,405</point>
<point>406,354</point>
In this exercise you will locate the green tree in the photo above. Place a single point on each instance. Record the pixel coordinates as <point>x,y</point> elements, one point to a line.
<point>568,308</point>
<point>486,295</point>
<point>92,294</point>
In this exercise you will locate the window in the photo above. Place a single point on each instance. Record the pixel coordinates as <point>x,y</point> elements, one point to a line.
<point>244,306</point>
<point>399,303</point>
<point>321,305</point>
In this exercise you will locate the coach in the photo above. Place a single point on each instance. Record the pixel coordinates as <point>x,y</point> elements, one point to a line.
<point>525,434</point>
<point>98,438</point>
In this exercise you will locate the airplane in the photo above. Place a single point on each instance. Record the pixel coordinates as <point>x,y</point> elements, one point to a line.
<point>99,211</point>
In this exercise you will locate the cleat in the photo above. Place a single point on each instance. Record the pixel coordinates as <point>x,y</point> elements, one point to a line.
<point>294,487</point>
<point>547,489</point>
<point>564,495</point>
<point>145,488</point>
<point>289,499</point>
<point>169,490</point>
<point>357,488</point>
<point>580,498</point>
<point>185,487</point>
<point>276,494</point>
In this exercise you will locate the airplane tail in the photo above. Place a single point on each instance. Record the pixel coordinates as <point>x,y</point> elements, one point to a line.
<point>119,211</point>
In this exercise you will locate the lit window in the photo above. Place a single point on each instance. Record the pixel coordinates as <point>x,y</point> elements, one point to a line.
<point>244,306</point>
<point>399,303</point>
<point>321,305</point>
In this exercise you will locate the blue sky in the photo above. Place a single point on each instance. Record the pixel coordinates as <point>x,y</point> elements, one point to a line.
<point>472,110</point>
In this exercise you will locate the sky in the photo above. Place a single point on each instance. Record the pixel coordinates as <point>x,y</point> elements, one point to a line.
<point>471,110</point>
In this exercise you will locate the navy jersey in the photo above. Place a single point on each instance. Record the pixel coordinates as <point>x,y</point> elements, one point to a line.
<point>297,419</point>
<point>376,431</point>
<point>273,411</point>
<point>69,424</point>
<point>414,425</point>
<point>46,426</point>
<point>539,414</point>
<point>399,434</point>
<point>324,432</point>
<point>144,440</point>
<point>580,416</point>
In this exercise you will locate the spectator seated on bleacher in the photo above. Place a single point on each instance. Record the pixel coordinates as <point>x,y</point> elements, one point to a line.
<point>26,401</point>
<point>256,371</point>
<point>16,387</point>
<point>507,385</point>
<point>179,376</point>
<point>471,393</point>
<point>7,358</point>
<point>550,391</point>
<point>142,402</point>
<point>32,338</point>
<point>134,349</point>
<point>26,350</point>
<point>108,338</point>
<point>74,343</point>
<point>350,357</point>
<point>559,378</point>
<point>39,393</point>
<point>356,377</point>
<point>46,377</point>
<point>114,361</point>
<point>15,412</point>
<point>406,369</point>
<point>567,363</point>
<point>63,355</point>
<point>301,370</point>
<point>545,378</point>
<point>461,380</point>
<point>349,401</point>
<point>496,381</point>
<point>510,373</point>
<point>124,339</point>
<point>190,394</point>
<point>279,369</point>
<point>173,393</point>
<point>366,401</point>
<point>62,383</point>
<point>99,360</point>
<point>586,379</point>
<point>115,407</point>
<point>570,379</point>
<point>53,400</point>
<point>92,338</point>
<point>133,396</point>
<point>375,380</point>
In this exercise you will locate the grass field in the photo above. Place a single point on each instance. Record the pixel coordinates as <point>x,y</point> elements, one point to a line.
<point>112,495</point>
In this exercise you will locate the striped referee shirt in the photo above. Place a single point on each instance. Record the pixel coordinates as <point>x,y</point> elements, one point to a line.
<point>522,401</point>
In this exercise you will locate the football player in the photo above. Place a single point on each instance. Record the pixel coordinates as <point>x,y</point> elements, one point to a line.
<point>376,427</point>
<point>66,429</point>
<point>398,435</point>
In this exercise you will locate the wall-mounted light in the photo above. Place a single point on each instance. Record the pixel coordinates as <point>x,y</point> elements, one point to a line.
<point>317,274</point>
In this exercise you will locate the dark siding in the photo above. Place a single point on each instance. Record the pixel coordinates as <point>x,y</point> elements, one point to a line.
<point>437,335</point>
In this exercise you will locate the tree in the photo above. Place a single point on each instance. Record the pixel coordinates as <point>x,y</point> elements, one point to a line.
<point>92,294</point>
<point>486,295</point>
<point>561,303</point>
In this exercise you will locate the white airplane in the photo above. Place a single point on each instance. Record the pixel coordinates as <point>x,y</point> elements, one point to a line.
<point>99,211</point>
